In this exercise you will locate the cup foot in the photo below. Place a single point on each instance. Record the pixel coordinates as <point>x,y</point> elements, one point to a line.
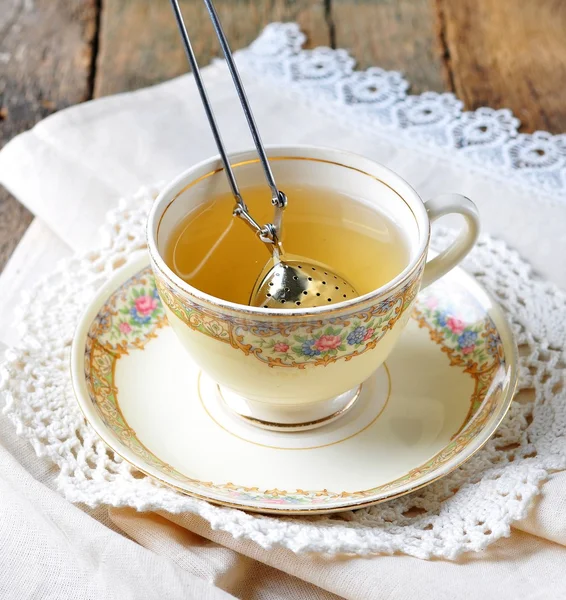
<point>285,417</point>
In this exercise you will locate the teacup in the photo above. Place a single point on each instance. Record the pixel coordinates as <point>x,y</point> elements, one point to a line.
<point>227,340</point>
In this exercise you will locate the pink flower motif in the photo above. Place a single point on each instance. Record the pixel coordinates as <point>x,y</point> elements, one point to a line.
<point>145,305</point>
<point>327,342</point>
<point>281,347</point>
<point>456,325</point>
<point>468,349</point>
<point>432,302</point>
<point>125,328</point>
<point>369,333</point>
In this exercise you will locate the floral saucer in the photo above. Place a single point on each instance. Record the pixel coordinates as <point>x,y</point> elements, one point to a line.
<point>438,398</point>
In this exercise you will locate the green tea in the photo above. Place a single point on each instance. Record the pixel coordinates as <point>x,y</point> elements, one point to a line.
<point>220,255</point>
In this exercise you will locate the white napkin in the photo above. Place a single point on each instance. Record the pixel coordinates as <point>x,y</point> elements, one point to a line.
<point>69,170</point>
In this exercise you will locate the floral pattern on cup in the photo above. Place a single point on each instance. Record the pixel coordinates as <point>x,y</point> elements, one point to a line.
<point>298,343</point>
<point>325,344</point>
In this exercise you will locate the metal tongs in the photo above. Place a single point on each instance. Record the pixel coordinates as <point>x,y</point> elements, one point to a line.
<point>284,282</point>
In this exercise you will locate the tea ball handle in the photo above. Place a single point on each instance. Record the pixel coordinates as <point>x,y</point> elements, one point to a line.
<point>441,206</point>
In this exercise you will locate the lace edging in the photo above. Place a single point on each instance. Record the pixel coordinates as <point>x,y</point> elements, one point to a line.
<point>485,140</point>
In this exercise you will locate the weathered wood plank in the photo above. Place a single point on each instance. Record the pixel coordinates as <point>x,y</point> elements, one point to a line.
<point>392,34</point>
<point>14,220</point>
<point>140,44</point>
<point>509,54</point>
<point>45,59</point>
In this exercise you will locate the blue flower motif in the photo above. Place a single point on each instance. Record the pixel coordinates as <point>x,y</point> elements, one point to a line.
<point>356,336</point>
<point>104,322</point>
<point>493,344</point>
<point>155,294</point>
<point>467,339</point>
<point>308,349</point>
<point>139,318</point>
<point>386,304</point>
<point>441,318</point>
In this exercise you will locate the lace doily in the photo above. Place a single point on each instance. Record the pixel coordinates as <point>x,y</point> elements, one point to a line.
<point>467,510</point>
<point>377,100</point>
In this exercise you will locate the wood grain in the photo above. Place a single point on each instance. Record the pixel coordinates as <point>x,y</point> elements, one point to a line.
<point>509,54</point>
<point>393,34</point>
<point>45,58</point>
<point>140,44</point>
<point>14,220</point>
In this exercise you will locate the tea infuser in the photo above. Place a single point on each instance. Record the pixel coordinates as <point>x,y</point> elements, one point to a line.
<point>290,282</point>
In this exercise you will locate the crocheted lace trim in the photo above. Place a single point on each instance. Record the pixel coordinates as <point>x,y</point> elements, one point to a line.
<point>377,101</point>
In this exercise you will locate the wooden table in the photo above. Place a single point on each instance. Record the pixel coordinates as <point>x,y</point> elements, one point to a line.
<point>498,53</point>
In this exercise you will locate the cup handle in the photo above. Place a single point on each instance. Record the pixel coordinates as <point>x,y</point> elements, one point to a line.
<point>438,207</point>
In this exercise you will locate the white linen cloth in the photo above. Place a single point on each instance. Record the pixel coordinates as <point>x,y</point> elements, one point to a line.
<point>69,170</point>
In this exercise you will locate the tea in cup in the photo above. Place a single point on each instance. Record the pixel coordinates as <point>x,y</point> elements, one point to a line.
<point>292,368</point>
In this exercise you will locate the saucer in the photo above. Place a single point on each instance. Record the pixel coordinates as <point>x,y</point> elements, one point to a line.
<point>438,398</point>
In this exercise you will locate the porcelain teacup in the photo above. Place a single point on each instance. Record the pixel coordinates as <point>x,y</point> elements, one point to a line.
<point>259,381</point>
